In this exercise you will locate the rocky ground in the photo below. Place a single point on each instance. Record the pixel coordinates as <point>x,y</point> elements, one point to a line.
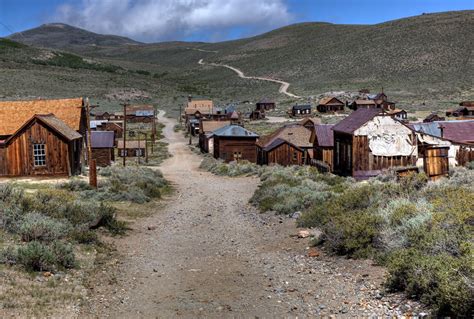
<point>207,253</point>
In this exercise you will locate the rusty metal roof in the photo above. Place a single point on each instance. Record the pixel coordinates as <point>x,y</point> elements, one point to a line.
<point>324,134</point>
<point>355,120</point>
<point>102,139</point>
<point>330,101</point>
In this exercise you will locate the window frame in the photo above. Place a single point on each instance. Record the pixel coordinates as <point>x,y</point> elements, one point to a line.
<point>39,155</point>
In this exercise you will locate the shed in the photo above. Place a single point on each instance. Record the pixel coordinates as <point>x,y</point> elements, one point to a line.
<point>330,105</point>
<point>102,145</point>
<point>289,145</point>
<point>140,113</point>
<point>234,143</point>
<point>43,145</point>
<point>433,117</point>
<point>363,104</point>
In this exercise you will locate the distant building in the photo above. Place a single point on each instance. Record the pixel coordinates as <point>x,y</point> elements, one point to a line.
<point>140,113</point>
<point>433,117</point>
<point>132,148</point>
<point>206,135</point>
<point>265,105</point>
<point>330,105</point>
<point>234,143</point>
<point>289,145</point>
<point>102,145</point>
<point>301,110</point>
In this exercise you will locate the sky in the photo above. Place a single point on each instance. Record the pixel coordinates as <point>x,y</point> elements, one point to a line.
<point>207,20</point>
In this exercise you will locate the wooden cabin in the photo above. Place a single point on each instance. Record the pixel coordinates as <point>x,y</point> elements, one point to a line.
<point>234,143</point>
<point>433,117</point>
<point>363,104</point>
<point>116,116</point>
<point>330,105</point>
<point>132,148</point>
<point>256,115</point>
<point>102,146</point>
<point>301,110</point>
<point>398,114</point>
<point>140,113</point>
<point>43,146</point>
<point>206,136</point>
<point>289,145</point>
<point>322,138</point>
<point>116,127</point>
<point>368,141</point>
<point>198,109</point>
<point>265,105</point>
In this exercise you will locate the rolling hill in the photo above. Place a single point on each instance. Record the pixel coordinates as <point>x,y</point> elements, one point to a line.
<point>422,62</point>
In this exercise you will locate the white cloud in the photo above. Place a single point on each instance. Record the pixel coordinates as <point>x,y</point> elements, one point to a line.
<point>154,20</point>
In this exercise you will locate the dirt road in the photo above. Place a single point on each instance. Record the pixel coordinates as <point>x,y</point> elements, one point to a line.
<point>206,253</point>
<point>283,88</point>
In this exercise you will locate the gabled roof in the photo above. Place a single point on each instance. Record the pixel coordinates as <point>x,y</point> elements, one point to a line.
<point>312,120</point>
<point>13,114</point>
<point>324,134</point>
<point>330,101</point>
<point>209,126</point>
<point>234,131</point>
<point>277,142</point>
<point>203,106</point>
<point>355,120</point>
<point>102,139</point>
<point>141,110</point>
<point>293,133</point>
<point>266,101</point>
<point>234,115</point>
<point>51,122</point>
<point>131,144</point>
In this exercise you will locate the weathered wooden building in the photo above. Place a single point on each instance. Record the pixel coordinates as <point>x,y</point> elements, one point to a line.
<point>234,143</point>
<point>140,113</point>
<point>100,116</point>
<point>265,105</point>
<point>116,127</point>
<point>398,114</point>
<point>310,122</point>
<point>322,138</point>
<point>132,148</point>
<point>43,146</point>
<point>368,141</point>
<point>362,104</point>
<point>206,136</point>
<point>433,117</point>
<point>330,105</point>
<point>102,146</point>
<point>289,145</point>
<point>41,137</point>
<point>301,110</point>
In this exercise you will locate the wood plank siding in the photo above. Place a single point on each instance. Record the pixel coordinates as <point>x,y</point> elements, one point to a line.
<point>233,149</point>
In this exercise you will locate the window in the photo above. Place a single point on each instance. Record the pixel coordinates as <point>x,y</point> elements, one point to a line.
<point>39,154</point>
<point>237,156</point>
<point>123,152</point>
<point>139,152</point>
<point>295,156</point>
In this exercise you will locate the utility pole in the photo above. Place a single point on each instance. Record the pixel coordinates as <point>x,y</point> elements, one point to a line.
<point>139,148</point>
<point>153,136</point>
<point>124,150</point>
<point>90,161</point>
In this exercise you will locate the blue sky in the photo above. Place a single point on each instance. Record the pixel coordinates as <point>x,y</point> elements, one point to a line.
<point>207,20</point>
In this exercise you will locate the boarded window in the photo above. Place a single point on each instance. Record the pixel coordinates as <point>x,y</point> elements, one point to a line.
<point>295,156</point>
<point>39,154</point>
<point>237,156</point>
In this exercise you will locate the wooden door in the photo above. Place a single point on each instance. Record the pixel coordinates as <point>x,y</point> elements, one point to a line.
<point>436,162</point>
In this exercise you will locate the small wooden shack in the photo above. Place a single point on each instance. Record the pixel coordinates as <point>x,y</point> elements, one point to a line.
<point>433,117</point>
<point>43,146</point>
<point>100,116</point>
<point>310,122</point>
<point>301,110</point>
<point>363,104</point>
<point>206,136</point>
<point>132,148</point>
<point>330,105</point>
<point>322,138</point>
<point>265,105</point>
<point>369,141</point>
<point>235,143</point>
<point>102,145</point>
<point>116,127</point>
<point>289,145</point>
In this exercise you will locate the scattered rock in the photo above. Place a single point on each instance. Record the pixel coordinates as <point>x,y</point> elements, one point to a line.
<point>296,215</point>
<point>303,233</point>
<point>151,227</point>
<point>313,252</point>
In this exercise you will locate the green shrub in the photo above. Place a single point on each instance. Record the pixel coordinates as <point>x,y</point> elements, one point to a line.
<point>8,256</point>
<point>36,256</point>
<point>35,226</point>
<point>84,236</point>
<point>233,169</point>
<point>75,185</point>
<point>63,254</point>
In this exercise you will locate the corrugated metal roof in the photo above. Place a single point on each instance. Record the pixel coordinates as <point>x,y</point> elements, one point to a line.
<point>234,131</point>
<point>94,123</point>
<point>102,139</point>
<point>301,106</point>
<point>455,131</point>
<point>355,120</point>
<point>324,134</point>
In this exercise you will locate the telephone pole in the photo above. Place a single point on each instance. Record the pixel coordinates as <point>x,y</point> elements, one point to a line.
<point>90,161</point>
<point>124,149</point>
